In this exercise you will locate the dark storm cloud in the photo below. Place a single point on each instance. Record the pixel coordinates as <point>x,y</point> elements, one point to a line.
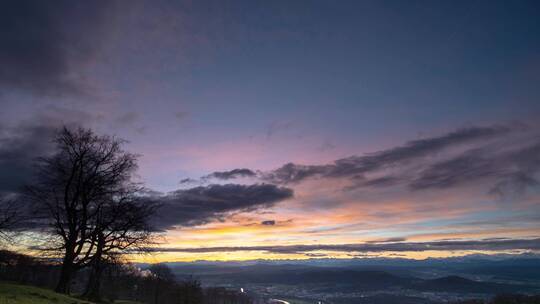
<point>22,144</point>
<point>355,166</point>
<point>268,223</point>
<point>19,147</point>
<point>235,173</point>
<point>485,245</point>
<point>45,43</point>
<point>203,204</point>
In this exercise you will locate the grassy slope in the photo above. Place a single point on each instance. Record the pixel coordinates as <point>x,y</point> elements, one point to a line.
<point>20,294</point>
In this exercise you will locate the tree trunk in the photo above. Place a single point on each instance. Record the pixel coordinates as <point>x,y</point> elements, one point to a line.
<point>65,277</point>
<point>94,280</point>
<point>92,292</point>
<point>68,268</point>
<point>156,292</point>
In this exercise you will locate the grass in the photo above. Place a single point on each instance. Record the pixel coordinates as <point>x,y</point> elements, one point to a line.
<point>21,294</point>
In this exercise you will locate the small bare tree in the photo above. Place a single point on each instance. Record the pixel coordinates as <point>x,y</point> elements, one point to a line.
<point>74,188</point>
<point>9,218</point>
<point>122,226</point>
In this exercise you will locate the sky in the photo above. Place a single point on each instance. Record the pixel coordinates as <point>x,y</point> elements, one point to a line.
<point>294,129</point>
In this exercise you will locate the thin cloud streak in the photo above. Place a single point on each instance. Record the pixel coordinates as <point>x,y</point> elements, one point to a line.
<point>483,245</point>
<point>226,175</point>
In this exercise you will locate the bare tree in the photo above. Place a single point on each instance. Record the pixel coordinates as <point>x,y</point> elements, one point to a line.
<point>10,216</point>
<point>122,226</point>
<point>73,188</point>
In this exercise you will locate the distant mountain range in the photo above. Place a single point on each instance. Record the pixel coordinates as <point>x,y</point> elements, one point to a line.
<point>460,275</point>
<point>394,261</point>
<point>329,280</point>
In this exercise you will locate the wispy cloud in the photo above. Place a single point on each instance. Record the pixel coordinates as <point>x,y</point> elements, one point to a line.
<point>483,245</point>
<point>503,156</point>
<point>226,175</point>
<point>356,166</point>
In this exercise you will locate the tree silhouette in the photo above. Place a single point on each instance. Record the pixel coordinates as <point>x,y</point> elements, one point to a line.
<point>9,218</point>
<point>122,225</point>
<point>79,192</point>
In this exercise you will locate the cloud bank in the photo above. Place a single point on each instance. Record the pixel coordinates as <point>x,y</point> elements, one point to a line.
<point>19,147</point>
<point>200,205</point>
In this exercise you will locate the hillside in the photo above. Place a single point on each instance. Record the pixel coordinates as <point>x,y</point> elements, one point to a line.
<point>21,294</point>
